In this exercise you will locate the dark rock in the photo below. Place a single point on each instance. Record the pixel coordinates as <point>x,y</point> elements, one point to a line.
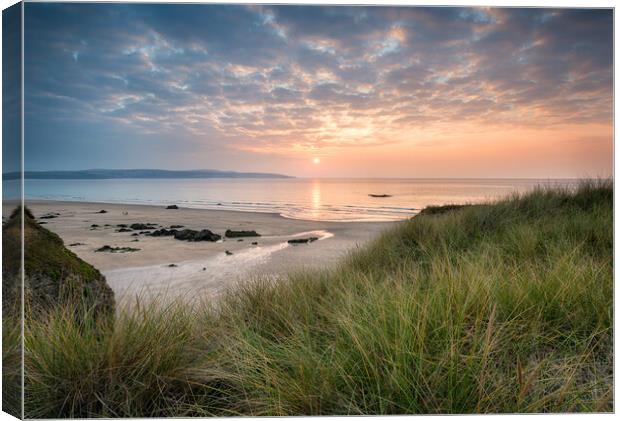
<point>135,240</point>
<point>76,244</point>
<point>236,234</point>
<point>204,268</point>
<point>302,240</point>
<point>254,243</point>
<point>172,265</point>
<point>135,234</point>
<point>187,234</point>
<point>241,239</point>
<point>107,225</point>
<point>122,225</point>
<point>142,227</point>
<point>144,232</point>
<point>380,195</point>
<point>103,211</point>
<point>192,235</point>
<point>162,233</point>
<point>176,226</point>
<point>50,216</point>
<point>94,226</point>
<point>110,249</point>
<point>229,253</point>
<point>123,230</point>
<point>172,207</point>
<point>42,223</point>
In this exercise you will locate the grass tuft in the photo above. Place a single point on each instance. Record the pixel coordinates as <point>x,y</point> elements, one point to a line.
<point>497,308</point>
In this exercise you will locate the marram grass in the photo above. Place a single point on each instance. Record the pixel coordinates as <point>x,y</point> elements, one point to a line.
<point>497,308</point>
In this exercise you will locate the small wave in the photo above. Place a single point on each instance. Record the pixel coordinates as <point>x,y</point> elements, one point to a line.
<point>325,212</point>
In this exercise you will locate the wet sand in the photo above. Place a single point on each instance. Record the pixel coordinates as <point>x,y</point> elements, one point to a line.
<point>201,269</point>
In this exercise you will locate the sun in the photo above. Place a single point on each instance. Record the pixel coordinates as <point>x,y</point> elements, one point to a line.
<point>316,160</point>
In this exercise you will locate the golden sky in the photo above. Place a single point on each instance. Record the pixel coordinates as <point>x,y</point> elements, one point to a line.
<point>370,91</point>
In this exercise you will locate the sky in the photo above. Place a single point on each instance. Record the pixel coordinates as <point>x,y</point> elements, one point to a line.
<point>368,91</point>
<point>11,89</point>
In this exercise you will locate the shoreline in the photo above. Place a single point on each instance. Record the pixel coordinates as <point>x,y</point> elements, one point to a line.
<point>223,208</point>
<point>42,202</point>
<point>179,268</point>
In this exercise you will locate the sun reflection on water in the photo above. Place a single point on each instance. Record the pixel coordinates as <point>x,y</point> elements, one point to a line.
<point>316,198</point>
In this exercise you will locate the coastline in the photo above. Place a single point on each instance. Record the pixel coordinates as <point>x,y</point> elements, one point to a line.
<point>455,286</point>
<point>203,268</point>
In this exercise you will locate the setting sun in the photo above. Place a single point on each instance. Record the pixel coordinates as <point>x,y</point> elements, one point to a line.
<point>316,160</point>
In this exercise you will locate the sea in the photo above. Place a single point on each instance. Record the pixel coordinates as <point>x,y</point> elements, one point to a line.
<point>298,198</point>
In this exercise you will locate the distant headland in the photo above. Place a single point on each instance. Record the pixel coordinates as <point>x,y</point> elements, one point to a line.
<point>100,174</point>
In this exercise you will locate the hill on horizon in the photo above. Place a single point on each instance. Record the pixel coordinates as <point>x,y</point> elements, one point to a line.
<point>95,174</point>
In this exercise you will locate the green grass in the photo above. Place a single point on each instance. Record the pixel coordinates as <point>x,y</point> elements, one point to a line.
<point>496,308</point>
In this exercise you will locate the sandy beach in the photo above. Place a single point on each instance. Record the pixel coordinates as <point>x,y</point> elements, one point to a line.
<point>164,265</point>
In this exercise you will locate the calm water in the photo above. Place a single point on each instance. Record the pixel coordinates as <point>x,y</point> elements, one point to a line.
<point>318,199</point>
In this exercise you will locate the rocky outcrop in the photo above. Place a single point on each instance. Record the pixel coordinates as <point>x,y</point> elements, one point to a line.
<point>53,274</point>
<point>172,207</point>
<point>192,235</point>
<point>110,249</point>
<point>237,234</point>
<point>162,233</point>
<point>303,240</point>
<point>139,226</point>
<point>187,234</point>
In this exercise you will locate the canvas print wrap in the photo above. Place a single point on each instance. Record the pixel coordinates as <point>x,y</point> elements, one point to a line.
<point>285,210</point>
<point>12,216</point>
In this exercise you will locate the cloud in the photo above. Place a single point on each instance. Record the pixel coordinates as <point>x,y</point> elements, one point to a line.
<point>288,78</point>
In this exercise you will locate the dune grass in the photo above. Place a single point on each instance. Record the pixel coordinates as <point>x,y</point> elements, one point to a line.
<point>505,307</point>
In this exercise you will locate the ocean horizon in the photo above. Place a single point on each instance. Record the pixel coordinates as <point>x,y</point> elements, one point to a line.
<point>319,199</point>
